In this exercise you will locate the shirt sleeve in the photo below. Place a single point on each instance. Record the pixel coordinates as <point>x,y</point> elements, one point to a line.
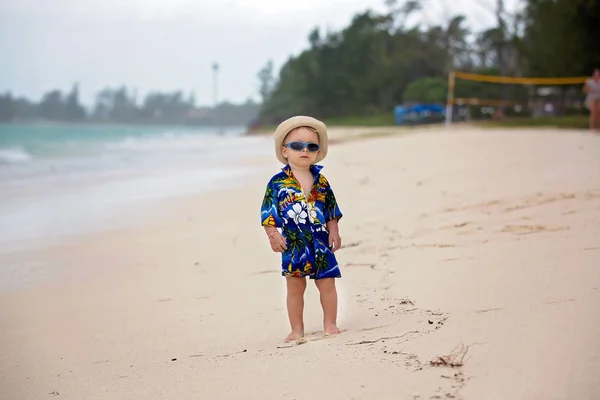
<point>332,210</point>
<point>269,214</point>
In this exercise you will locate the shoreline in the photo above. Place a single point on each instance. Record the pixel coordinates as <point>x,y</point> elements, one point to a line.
<point>338,136</point>
<point>480,238</point>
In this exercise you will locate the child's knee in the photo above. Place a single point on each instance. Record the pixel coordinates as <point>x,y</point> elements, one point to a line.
<point>325,284</point>
<point>296,285</point>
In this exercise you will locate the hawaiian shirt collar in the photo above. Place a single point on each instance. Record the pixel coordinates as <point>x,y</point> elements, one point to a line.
<point>315,169</point>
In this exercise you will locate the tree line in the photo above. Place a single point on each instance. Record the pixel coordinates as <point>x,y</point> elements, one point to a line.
<point>121,105</point>
<point>379,60</point>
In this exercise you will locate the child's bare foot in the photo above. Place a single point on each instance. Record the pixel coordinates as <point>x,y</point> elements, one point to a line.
<point>292,337</point>
<point>331,329</point>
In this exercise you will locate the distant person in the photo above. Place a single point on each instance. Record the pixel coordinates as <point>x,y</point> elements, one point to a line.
<point>299,200</point>
<point>592,101</point>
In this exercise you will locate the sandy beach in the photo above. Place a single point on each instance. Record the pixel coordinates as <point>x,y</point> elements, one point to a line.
<point>488,240</point>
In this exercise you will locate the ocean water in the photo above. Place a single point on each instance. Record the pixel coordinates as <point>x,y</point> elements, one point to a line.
<point>58,180</point>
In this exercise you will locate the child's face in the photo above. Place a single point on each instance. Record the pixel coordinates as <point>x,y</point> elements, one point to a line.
<point>304,157</point>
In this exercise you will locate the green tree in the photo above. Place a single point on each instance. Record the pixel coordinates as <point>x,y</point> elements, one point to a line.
<point>560,37</point>
<point>426,90</point>
<point>7,112</point>
<point>73,110</point>
<point>365,67</point>
<point>267,80</point>
<point>52,106</point>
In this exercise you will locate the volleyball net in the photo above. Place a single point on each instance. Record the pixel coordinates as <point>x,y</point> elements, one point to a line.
<point>477,96</point>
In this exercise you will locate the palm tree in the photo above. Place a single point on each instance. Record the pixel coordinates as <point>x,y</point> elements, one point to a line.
<point>321,261</point>
<point>330,204</point>
<point>296,245</point>
<point>269,199</point>
<point>455,36</point>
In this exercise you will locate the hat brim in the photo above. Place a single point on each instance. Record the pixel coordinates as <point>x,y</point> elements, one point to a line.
<point>295,122</point>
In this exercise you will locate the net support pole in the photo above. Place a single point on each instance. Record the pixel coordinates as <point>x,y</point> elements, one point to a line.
<point>450,99</point>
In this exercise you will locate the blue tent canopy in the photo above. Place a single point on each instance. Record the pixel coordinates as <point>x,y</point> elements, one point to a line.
<point>400,112</point>
<point>434,108</point>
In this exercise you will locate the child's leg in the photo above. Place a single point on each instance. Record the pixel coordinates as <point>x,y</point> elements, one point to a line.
<point>328,293</point>
<point>295,306</point>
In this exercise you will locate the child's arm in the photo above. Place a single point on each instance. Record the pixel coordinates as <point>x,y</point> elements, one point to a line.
<point>586,87</point>
<point>334,234</point>
<point>270,220</point>
<point>332,216</point>
<point>332,226</point>
<point>276,239</point>
<point>269,230</point>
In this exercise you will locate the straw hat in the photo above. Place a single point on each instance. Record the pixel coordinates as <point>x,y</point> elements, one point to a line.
<point>295,122</point>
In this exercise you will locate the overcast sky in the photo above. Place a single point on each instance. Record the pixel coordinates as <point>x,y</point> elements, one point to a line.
<point>171,44</point>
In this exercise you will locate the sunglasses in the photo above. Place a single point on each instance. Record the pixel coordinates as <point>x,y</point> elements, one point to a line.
<point>299,146</point>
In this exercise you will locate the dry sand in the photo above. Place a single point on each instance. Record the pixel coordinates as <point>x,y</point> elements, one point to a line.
<point>486,239</point>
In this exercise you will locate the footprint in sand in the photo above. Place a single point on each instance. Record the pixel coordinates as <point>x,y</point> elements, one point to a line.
<point>591,195</point>
<point>540,199</point>
<point>455,226</point>
<point>350,245</point>
<point>457,259</point>
<point>440,245</point>
<point>487,310</point>
<point>483,206</point>
<point>372,328</point>
<point>529,229</point>
<point>268,271</point>
<point>560,301</point>
<point>370,265</point>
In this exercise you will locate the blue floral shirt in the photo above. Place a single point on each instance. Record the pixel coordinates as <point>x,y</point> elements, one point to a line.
<point>303,223</point>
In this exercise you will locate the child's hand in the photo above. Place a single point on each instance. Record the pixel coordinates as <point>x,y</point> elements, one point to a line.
<point>277,241</point>
<point>335,240</point>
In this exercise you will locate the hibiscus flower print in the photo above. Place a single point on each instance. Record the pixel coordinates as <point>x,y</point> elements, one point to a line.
<point>312,213</point>
<point>298,214</point>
